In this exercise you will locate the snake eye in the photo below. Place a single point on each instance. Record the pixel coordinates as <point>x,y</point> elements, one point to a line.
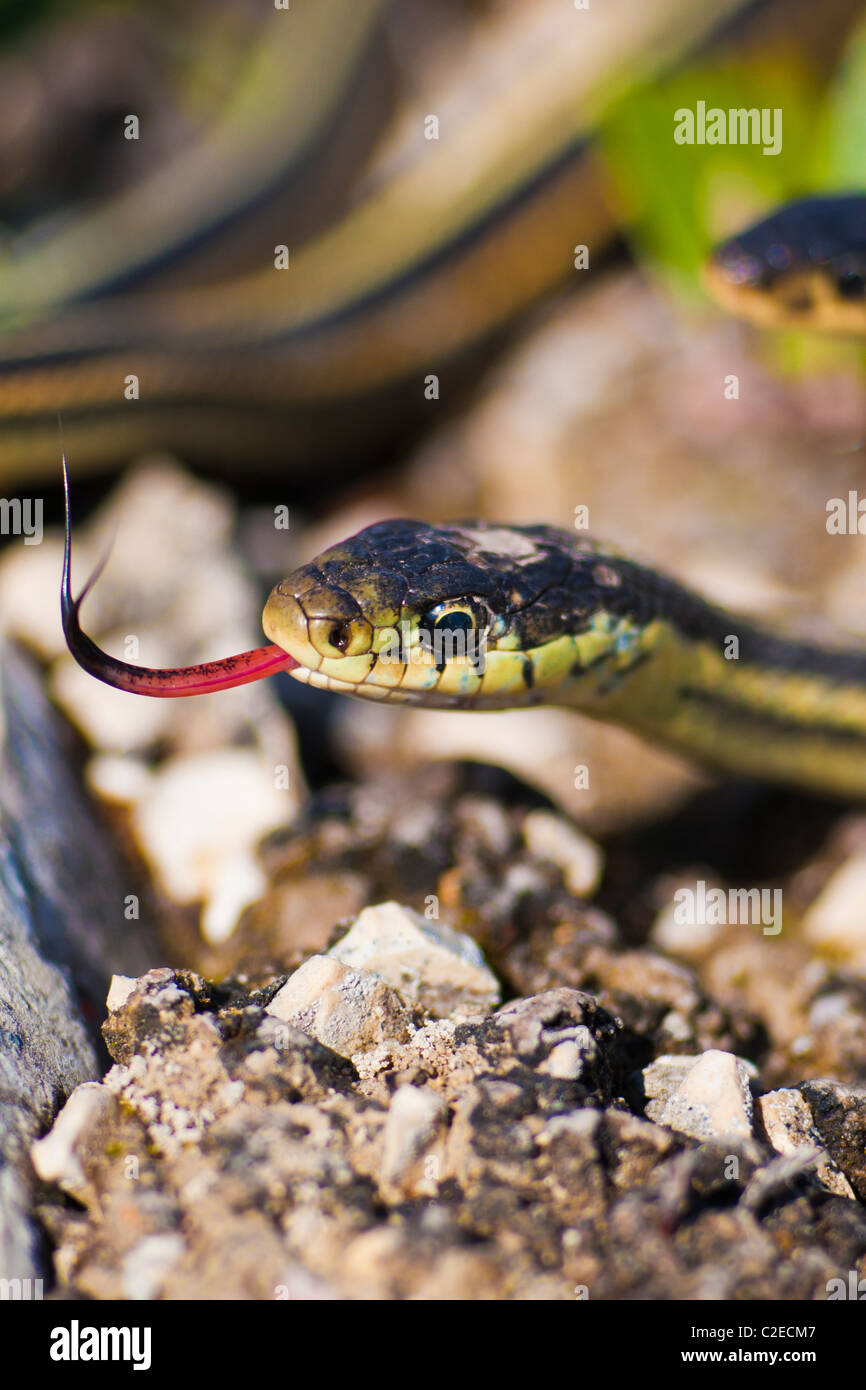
<point>455,630</point>
<point>340,636</point>
<point>458,621</point>
<point>460,615</point>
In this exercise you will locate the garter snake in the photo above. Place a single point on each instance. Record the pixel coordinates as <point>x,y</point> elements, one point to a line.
<point>479,616</point>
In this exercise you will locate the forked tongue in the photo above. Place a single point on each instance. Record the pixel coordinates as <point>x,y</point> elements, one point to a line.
<point>172,682</point>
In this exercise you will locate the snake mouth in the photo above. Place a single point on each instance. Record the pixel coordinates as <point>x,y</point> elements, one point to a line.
<point>806,298</point>
<point>788,300</point>
<point>335,647</point>
<point>736,285</point>
<point>325,624</point>
<point>825,299</point>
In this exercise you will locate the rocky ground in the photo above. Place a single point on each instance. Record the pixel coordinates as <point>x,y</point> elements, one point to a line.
<point>371,1122</point>
<point>228,1154</point>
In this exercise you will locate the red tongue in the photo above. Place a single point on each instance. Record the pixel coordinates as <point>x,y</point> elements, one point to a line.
<point>173,682</point>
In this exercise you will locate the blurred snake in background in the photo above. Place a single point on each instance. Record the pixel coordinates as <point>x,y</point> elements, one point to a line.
<point>447,242</point>
<point>482,616</point>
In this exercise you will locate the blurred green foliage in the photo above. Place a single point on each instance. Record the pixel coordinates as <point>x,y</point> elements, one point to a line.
<point>678,201</point>
<point>842,142</point>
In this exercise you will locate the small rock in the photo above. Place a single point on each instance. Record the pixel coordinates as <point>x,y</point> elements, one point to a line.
<point>145,1268</point>
<point>772,1180</point>
<point>198,824</point>
<point>119,990</point>
<point>789,1127</point>
<point>293,919</point>
<point>429,964</point>
<point>120,779</point>
<point>550,837</point>
<point>57,1156</point>
<point>828,1009</point>
<point>484,823</point>
<point>675,1027</point>
<point>580,1124</point>
<point>713,1100</point>
<point>564,1033</point>
<point>839,1113</point>
<point>348,1010</point>
<point>661,1079</point>
<point>567,1058</point>
<point>835,922</point>
<point>633,1147</point>
<point>692,940</point>
<point>413,1119</point>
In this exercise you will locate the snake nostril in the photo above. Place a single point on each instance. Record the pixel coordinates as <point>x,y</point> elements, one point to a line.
<point>337,634</point>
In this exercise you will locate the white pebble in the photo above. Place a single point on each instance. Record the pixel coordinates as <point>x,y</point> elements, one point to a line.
<point>199,822</point>
<point>441,970</point>
<point>548,836</point>
<point>836,921</point>
<point>348,1010</point>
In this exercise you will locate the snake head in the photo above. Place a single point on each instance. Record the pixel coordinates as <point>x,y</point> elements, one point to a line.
<point>803,267</point>
<point>472,616</point>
